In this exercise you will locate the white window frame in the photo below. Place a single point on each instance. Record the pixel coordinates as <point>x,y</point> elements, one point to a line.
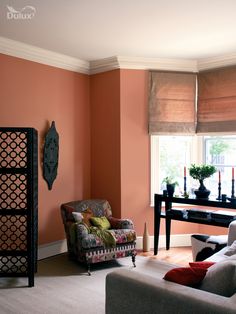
<point>196,157</point>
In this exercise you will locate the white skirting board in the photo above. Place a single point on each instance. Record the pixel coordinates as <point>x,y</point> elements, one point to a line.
<point>51,249</point>
<point>58,247</point>
<point>176,240</point>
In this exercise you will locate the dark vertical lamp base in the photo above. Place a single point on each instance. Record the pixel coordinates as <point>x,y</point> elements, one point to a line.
<point>232,192</point>
<point>219,191</point>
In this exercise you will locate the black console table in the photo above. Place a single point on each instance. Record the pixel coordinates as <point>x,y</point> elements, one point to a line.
<point>207,218</point>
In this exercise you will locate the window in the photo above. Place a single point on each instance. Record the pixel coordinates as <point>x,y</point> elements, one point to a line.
<point>170,154</point>
<point>221,152</point>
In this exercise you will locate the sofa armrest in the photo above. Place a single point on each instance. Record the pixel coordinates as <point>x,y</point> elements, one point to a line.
<point>117,223</point>
<point>232,232</point>
<point>132,292</point>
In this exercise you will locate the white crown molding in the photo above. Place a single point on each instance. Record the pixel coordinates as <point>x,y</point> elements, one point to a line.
<point>136,63</point>
<point>36,54</point>
<point>157,64</point>
<point>216,62</point>
<point>104,65</point>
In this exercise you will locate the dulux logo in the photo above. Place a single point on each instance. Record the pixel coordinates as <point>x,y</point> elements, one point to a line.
<point>26,13</point>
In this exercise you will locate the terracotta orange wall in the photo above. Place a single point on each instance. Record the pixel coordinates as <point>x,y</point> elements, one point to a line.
<point>120,146</point>
<point>135,149</point>
<point>32,95</point>
<point>135,154</point>
<point>105,138</point>
<point>104,144</point>
<point>212,230</point>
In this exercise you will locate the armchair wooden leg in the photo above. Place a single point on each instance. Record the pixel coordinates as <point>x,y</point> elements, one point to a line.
<point>89,272</point>
<point>133,259</point>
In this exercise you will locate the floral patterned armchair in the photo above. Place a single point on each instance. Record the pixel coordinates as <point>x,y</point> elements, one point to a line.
<point>89,243</point>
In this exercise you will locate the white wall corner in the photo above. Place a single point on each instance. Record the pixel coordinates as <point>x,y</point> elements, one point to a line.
<point>104,65</point>
<point>20,50</point>
<point>52,249</point>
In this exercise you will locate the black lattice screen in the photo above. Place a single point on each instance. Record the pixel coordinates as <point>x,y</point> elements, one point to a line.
<point>18,202</point>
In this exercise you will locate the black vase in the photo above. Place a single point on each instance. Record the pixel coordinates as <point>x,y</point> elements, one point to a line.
<point>202,191</point>
<point>170,189</point>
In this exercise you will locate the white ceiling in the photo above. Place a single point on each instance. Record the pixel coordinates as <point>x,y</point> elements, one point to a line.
<point>95,29</point>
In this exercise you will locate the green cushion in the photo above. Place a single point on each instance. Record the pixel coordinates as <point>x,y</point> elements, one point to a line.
<point>101,222</point>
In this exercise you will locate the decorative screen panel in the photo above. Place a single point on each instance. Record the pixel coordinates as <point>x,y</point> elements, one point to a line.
<point>13,189</point>
<point>18,202</point>
<point>12,265</point>
<point>13,149</point>
<point>13,232</point>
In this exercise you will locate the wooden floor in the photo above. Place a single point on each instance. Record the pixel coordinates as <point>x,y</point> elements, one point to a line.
<point>179,255</point>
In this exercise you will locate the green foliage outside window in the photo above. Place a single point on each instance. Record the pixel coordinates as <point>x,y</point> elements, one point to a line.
<point>218,146</point>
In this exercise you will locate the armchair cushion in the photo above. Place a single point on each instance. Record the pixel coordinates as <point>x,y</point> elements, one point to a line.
<point>79,232</point>
<point>91,241</point>
<point>89,237</point>
<point>100,222</point>
<point>123,235</point>
<point>87,215</point>
<point>78,217</point>
<point>83,217</point>
<point>117,223</point>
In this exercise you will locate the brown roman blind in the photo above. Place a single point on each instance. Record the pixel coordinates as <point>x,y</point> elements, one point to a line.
<point>172,103</point>
<point>217,100</point>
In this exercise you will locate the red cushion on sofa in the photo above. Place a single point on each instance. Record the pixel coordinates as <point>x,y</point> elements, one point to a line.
<point>188,276</point>
<point>203,264</point>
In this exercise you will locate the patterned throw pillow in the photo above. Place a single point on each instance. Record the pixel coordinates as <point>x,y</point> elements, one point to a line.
<point>101,222</point>
<point>87,215</point>
<point>203,246</point>
<point>77,216</point>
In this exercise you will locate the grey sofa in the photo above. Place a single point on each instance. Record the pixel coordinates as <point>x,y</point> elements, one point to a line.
<point>144,291</point>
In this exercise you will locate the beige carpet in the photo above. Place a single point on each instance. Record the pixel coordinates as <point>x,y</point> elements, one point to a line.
<point>61,287</point>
